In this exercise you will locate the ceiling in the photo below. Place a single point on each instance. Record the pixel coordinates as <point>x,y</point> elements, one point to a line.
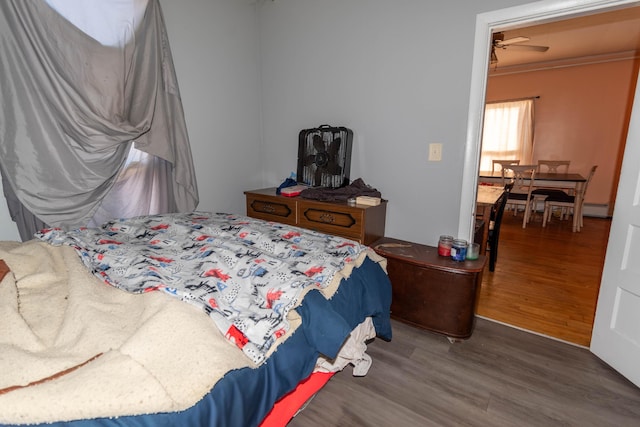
<point>602,34</point>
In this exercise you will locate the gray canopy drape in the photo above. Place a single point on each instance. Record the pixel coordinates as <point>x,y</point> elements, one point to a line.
<point>71,108</point>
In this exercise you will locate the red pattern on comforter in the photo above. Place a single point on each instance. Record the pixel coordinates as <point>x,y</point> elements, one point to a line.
<point>246,274</point>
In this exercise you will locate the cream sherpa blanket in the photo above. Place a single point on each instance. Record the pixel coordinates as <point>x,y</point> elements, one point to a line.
<point>55,315</point>
<point>109,352</point>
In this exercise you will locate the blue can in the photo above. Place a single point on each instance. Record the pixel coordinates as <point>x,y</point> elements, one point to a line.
<point>459,250</point>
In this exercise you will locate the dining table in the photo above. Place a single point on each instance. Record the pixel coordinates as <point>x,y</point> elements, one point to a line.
<point>573,182</point>
<point>486,199</point>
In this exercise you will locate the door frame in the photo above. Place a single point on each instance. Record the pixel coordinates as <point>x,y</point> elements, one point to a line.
<point>501,20</point>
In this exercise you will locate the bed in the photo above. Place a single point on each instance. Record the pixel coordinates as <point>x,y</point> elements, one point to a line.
<point>195,319</point>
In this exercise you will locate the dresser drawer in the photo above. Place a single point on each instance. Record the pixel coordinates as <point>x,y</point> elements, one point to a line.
<point>279,209</point>
<point>342,221</point>
<point>362,223</point>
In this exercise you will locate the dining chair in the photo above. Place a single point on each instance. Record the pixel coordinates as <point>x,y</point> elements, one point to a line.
<point>520,195</point>
<point>503,164</point>
<point>494,226</point>
<point>568,202</point>
<point>552,166</point>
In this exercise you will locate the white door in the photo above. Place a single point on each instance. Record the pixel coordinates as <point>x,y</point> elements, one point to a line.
<point>616,330</point>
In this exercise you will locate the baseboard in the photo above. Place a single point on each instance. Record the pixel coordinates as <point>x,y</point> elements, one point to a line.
<point>598,210</point>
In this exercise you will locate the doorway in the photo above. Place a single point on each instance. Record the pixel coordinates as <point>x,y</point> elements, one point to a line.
<point>496,21</point>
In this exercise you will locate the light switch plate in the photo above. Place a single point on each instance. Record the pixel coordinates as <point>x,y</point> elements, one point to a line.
<point>435,152</point>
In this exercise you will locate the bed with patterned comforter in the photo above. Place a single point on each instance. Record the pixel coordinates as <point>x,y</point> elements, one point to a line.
<point>265,301</point>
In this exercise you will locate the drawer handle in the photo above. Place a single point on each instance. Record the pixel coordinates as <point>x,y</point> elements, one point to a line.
<point>327,217</point>
<point>269,208</point>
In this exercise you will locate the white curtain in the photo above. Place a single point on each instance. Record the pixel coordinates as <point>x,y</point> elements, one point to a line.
<point>507,133</point>
<point>142,188</point>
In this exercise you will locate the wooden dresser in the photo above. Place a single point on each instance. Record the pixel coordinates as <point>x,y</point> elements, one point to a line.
<point>430,291</point>
<point>364,224</point>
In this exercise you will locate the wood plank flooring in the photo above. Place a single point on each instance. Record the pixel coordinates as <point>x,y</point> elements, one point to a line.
<point>501,376</point>
<point>546,279</point>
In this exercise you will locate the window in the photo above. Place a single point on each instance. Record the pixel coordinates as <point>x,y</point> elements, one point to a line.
<point>507,133</point>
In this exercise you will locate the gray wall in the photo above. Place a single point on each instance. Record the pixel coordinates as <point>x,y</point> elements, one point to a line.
<point>252,75</point>
<point>397,73</point>
<point>215,51</point>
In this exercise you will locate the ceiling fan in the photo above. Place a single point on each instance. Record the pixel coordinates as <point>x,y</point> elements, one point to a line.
<point>513,43</point>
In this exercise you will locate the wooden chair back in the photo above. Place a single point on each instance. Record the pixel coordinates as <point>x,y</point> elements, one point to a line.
<point>503,164</point>
<point>523,177</point>
<point>586,184</point>
<point>495,224</point>
<point>568,202</point>
<point>553,166</point>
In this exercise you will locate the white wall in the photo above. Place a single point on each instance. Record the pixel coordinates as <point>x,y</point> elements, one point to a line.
<point>397,73</point>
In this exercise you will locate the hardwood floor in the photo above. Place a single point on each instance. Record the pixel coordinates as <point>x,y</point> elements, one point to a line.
<point>501,376</point>
<point>546,279</point>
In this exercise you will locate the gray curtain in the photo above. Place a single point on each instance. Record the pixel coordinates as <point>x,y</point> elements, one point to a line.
<point>71,108</point>
<point>27,222</point>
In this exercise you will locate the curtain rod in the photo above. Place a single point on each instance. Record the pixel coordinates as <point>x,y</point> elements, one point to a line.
<point>514,99</point>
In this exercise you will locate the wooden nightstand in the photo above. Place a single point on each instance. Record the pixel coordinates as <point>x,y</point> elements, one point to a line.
<point>364,224</point>
<point>430,291</point>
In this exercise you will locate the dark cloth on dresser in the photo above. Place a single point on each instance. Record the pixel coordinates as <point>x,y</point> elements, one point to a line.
<point>342,194</point>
